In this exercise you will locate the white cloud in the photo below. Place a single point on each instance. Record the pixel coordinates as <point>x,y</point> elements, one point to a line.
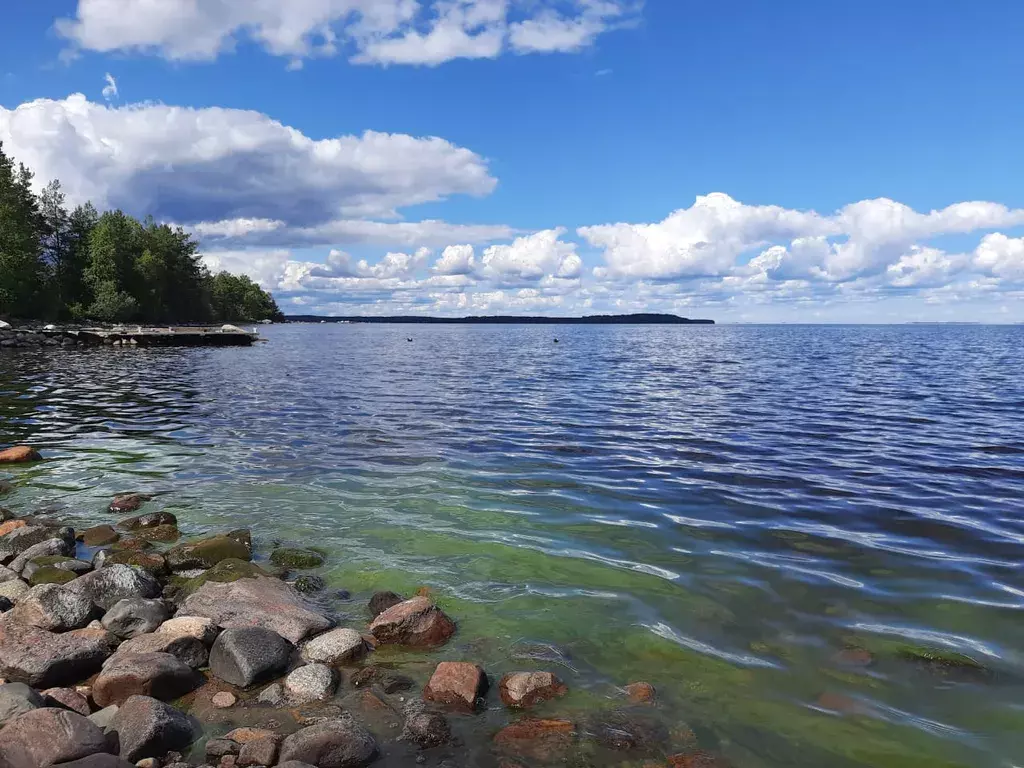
<point>370,31</point>
<point>110,89</point>
<point>1001,256</point>
<point>531,258</point>
<point>456,260</point>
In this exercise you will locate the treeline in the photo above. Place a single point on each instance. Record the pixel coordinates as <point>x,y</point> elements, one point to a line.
<point>83,265</point>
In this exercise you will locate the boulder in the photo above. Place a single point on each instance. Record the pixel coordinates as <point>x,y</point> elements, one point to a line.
<point>108,586</point>
<point>22,539</point>
<point>44,659</point>
<point>149,520</point>
<point>417,622</point>
<point>45,737</point>
<point>207,552</point>
<point>19,454</point>
<point>50,575</point>
<point>135,616</point>
<point>104,718</point>
<point>16,699</point>
<point>247,656</point>
<point>188,649</point>
<point>53,607</point>
<point>55,562</point>
<point>68,698</point>
<point>245,735</point>
<point>381,601</point>
<point>313,682</point>
<point>425,728</point>
<point>99,536</point>
<point>99,760</point>
<point>456,685</point>
<point>259,751</point>
<point>147,727</point>
<point>161,533</point>
<point>202,629</point>
<point>128,502</point>
<point>13,590</point>
<point>628,731</point>
<point>334,647</point>
<point>217,748</point>
<point>520,690</point>
<point>62,544</point>
<point>152,562</point>
<point>331,744</point>
<point>260,602</point>
<point>294,764</point>
<point>309,584</point>
<point>290,557</point>
<point>6,574</point>
<point>156,675</point>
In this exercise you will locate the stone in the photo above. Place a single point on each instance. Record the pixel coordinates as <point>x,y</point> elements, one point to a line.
<point>13,590</point>
<point>22,539</point>
<point>50,575</point>
<point>287,557</point>
<point>150,520</point>
<point>520,690</point>
<point>224,700</point>
<point>105,717</point>
<point>58,562</point>
<point>640,693</point>
<point>309,585</point>
<point>247,656</point>
<point>54,608</point>
<point>62,544</point>
<point>99,760</point>
<point>6,574</point>
<point>424,728</point>
<point>68,698</point>
<point>217,748</point>
<point>135,616</point>
<point>272,695</point>
<point>224,572</point>
<point>259,751</point>
<point>132,543</point>
<point>148,762</point>
<point>698,759</point>
<point>207,552</point>
<point>100,536</point>
<point>187,649</point>
<point>44,659</point>
<point>128,502</point>
<point>16,699</point>
<point>5,604</point>
<point>261,602</point>
<point>544,740</point>
<point>245,735</point>
<point>19,454</point>
<point>147,727</point>
<point>48,736</point>
<point>313,682</point>
<point>152,562</point>
<point>626,731</point>
<point>381,601</point>
<point>202,629</point>
<point>11,525</point>
<point>156,675</point>
<point>417,622</point>
<point>112,584</point>
<point>456,685</point>
<point>388,680</point>
<point>334,647</point>
<point>331,744</point>
<point>161,533</point>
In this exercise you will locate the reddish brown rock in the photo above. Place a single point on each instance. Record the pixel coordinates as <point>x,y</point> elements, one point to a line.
<point>11,525</point>
<point>456,685</point>
<point>99,535</point>
<point>259,751</point>
<point>698,759</point>
<point>157,675</point>
<point>47,736</point>
<point>416,622</point>
<point>520,690</point>
<point>128,502</point>
<point>641,693</point>
<point>68,698</point>
<point>837,702</point>
<point>245,735</point>
<point>544,740</point>
<point>19,454</point>
<point>44,659</point>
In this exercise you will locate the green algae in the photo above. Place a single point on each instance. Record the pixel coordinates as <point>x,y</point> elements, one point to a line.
<point>290,557</point>
<point>51,575</point>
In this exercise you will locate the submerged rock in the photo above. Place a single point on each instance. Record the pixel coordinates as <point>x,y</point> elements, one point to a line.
<point>247,656</point>
<point>416,622</point>
<point>158,675</point>
<point>456,685</point>
<point>308,585</point>
<point>135,616</point>
<point>334,647</point>
<point>381,601</point>
<point>207,552</point>
<point>625,731</point>
<point>425,728</point>
<point>19,454</point>
<point>150,728</point>
<point>286,557</point>
<point>388,680</point>
<point>520,690</point>
<point>149,520</point>
<point>47,736</point>
<point>44,659</point>
<point>641,693</point>
<point>546,740</point>
<point>331,744</point>
<point>128,502</point>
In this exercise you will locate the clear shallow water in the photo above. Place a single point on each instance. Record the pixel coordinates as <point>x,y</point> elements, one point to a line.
<point>718,510</point>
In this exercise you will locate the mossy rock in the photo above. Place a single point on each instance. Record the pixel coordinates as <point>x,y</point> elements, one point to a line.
<point>207,552</point>
<point>223,572</point>
<point>131,543</point>
<point>293,557</point>
<point>99,536</point>
<point>165,533</point>
<point>51,575</point>
<point>47,560</point>
<point>148,561</point>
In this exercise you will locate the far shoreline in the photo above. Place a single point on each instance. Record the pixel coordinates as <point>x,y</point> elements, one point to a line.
<point>631,319</point>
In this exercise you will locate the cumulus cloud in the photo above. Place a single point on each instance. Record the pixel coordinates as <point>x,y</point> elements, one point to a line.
<point>426,32</point>
<point>531,258</point>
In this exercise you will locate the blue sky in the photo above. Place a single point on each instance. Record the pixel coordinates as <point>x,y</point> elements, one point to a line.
<point>738,160</point>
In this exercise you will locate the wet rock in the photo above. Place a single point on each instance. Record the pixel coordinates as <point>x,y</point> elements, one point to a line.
<point>425,728</point>
<point>202,629</point>
<point>247,656</point>
<point>624,731</point>
<point>128,502</point>
<point>331,744</point>
<point>245,735</point>
<point>147,727</point>
<point>44,659</point>
<point>217,748</point>
<point>16,699</point>
<point>285,557</point>
<point>114,583</point>
<point>456,685</point>
<point>313,682</point>
<point>188,650</point>
<point>47,736</point>
<point>381,601</point>
<point>388,680</point>
<point>13,590</point>
<point>19,454</point>
<point>23,539</point>
<point>698,759</point>
<point>259,751</point>
<point>54,608</point>
<point>207,552</point>
<point>62,544</point>
<point>543,740</point>
<point>135,616</point>
<point>272,695</point>
<point>99,760</point>
<point>417,622</point>
<point>261,602</point>
<point>149,520</point>
<point>100,536</point>
<point>133,544</point>
<point>334,647</point>
<point>156,675</point>
<point>520,690</point>
<point>224,700</point>
<point>641,693</point>
<point>309,585</point>
<point>153,562</point>
<point>165,534</point>
<point>68,698</point>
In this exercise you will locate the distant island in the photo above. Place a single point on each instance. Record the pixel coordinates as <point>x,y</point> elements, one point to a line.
<point>645,318</point>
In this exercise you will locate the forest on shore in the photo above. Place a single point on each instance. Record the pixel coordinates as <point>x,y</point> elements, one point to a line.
<point>83,265</point>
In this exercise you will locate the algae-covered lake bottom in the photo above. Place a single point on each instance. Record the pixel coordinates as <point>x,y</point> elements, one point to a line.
<point>809,539</point>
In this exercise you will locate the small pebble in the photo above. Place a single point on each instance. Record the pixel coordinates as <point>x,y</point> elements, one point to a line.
<point>224,700</point>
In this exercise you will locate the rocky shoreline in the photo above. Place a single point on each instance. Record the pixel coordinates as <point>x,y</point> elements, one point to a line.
<point>125,645</point>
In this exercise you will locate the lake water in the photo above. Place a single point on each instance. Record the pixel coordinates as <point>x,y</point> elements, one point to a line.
<point>734,514</point>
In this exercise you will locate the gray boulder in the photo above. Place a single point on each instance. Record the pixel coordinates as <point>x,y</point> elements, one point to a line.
<point>13,590</point>
<point>54,608</point>
<point>63,546</point>
<point>149,520</point>
<point>111,585</point>
<point>135,616</point>
<point>190,650</point>
<point>104,718</point>
<point>6,574</point>
<point>334,647</point>
<point>272,695</point>
<point>44,659</point>
<point>423,727</point>
<point>16,699</point>
<point>331,744</point>
<point>313,682</point>
<point>157,675</point>
<point>149,728</point>
<point>244,657</point>
<point>20,539</point>
<point>45,737</point>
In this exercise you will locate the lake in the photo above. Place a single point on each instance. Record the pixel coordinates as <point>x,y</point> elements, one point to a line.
<point>808,538</point>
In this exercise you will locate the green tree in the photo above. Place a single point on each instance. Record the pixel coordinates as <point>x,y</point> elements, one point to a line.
<point>21,266</point>
<point>238,298</point>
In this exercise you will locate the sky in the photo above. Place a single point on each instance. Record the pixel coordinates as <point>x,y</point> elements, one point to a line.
<point>741,160</point>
